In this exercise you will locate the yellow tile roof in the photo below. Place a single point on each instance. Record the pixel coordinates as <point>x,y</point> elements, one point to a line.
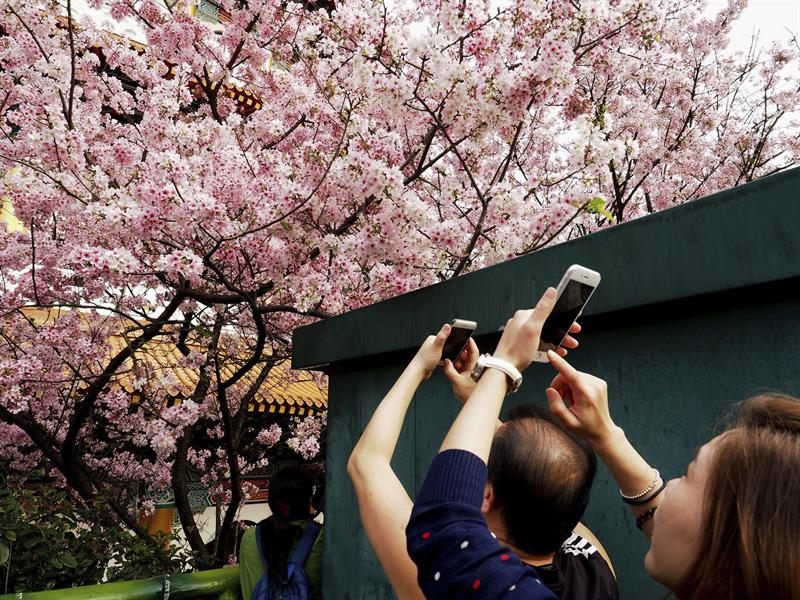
<point>283,391</point>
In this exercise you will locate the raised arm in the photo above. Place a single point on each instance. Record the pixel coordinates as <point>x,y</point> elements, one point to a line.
<point>448,538</point>
<point>580,402</point>
<point>517,345</point>
<point>382,500</point>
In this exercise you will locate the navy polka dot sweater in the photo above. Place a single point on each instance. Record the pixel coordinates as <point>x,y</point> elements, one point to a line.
<point>448,539</point>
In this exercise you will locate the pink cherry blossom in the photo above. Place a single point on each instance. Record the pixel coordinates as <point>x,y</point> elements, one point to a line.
<point>221,185</point>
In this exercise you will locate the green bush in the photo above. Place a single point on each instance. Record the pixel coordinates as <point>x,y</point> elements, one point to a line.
<point>51,540</point>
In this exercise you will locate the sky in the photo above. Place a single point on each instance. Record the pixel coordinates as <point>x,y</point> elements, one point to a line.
<point>770,18</point>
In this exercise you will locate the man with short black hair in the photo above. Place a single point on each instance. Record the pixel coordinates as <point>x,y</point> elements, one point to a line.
<point>540,478</point>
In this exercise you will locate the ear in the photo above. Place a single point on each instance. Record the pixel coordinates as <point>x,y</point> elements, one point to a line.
<point>489,499</point>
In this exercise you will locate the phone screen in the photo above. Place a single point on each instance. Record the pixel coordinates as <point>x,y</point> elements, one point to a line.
<point>455,343</point>
<point>566,310</point>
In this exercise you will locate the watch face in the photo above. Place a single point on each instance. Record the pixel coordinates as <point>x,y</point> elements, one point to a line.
<point>479,367</point>
<point>476,372</point>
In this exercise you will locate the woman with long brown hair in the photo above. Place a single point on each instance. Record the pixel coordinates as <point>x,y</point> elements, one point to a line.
<point>730,528</point>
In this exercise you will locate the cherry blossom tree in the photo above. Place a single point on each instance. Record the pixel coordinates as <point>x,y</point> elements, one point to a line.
<point>215,189</point>
<point>686,118</point>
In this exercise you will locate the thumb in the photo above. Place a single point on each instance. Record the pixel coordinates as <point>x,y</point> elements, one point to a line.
<point>441,337</point>
<point>559,409</point>
<point>544,307</point>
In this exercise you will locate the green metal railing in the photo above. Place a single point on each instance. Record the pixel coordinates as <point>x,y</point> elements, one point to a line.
<point>222,584</point>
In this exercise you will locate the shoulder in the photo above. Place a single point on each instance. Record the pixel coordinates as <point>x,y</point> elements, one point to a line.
<point>584,570</point>
<point>320,535</point>
<point>469,560</point>
<point>447,537</point>
<point>248,547</point>
<point>456,555</point>
<point>579,545</point>
<point>303,524</point>
<point>249,536</point>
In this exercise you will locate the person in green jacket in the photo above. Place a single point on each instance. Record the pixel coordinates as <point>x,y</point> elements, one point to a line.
<point>290,493</point>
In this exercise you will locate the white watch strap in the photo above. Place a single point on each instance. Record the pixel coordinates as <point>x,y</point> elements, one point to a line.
<point>513,374</point>
<point>504,366</point>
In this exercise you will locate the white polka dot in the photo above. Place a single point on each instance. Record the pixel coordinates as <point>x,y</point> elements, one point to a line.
<point>464,544</point>
<point>512,588</point>
<point>493,535</point>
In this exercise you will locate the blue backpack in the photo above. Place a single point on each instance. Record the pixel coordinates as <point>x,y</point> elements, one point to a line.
<point>295,586</point>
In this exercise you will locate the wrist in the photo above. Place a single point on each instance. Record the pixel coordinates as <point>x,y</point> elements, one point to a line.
<point>417,369</point>
<point>497,379</point>
<point>511,360</point>
<point>487,361</point>
<point>606,442</point>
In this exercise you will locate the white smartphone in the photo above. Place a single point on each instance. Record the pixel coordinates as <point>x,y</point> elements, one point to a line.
<point>460,332</point>
<point>574,291</point>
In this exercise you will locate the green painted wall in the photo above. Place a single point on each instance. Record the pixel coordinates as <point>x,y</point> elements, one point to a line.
<point>699,308</point>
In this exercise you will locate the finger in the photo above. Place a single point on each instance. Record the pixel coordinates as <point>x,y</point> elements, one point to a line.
<point>563,388</point>
<point>449,370</point>
<point>462,364</point>
<point>472,354</point>
<point>560,385</point>
<point>575,328</point>
<point>544,307</point>
<point>562,352</point>
<point>566,370</point>
<point>441,337</point>
<point>570,342</point>
<point>559,409</point>
<point>463,359</point>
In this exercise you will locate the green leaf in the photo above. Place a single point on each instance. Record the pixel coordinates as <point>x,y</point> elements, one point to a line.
<point>55,562</point>
<point>11,535</point>
<point>31,542</point>
<point>5,553</point>
<point>607,215</point>
<point>597,206</point>
<point>68,560</point>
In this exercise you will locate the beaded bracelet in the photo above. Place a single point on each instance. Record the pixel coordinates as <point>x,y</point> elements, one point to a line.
<point>646,499</point>
<point>645,516</point>
<point>646,491</point>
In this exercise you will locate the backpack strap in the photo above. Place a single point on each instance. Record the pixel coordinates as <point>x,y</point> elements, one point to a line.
<point>303,549</point>
<point>260,550</point>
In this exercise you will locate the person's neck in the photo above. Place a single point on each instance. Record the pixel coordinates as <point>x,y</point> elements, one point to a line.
<point>535,560</point>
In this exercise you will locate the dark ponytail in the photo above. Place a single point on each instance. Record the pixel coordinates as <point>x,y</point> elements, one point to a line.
<point>290,493</point>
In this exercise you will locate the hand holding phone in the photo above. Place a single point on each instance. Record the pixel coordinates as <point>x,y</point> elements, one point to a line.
<point>449,342</point>
<point>459,373</point>
<point>460,332</point>
<point>573,292</point>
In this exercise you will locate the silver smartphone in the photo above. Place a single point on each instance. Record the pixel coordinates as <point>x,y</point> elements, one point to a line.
<point>460,332</point>
<point>574,291</point>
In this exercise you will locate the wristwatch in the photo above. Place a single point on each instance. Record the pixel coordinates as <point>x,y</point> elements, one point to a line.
<point>488,361</point>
